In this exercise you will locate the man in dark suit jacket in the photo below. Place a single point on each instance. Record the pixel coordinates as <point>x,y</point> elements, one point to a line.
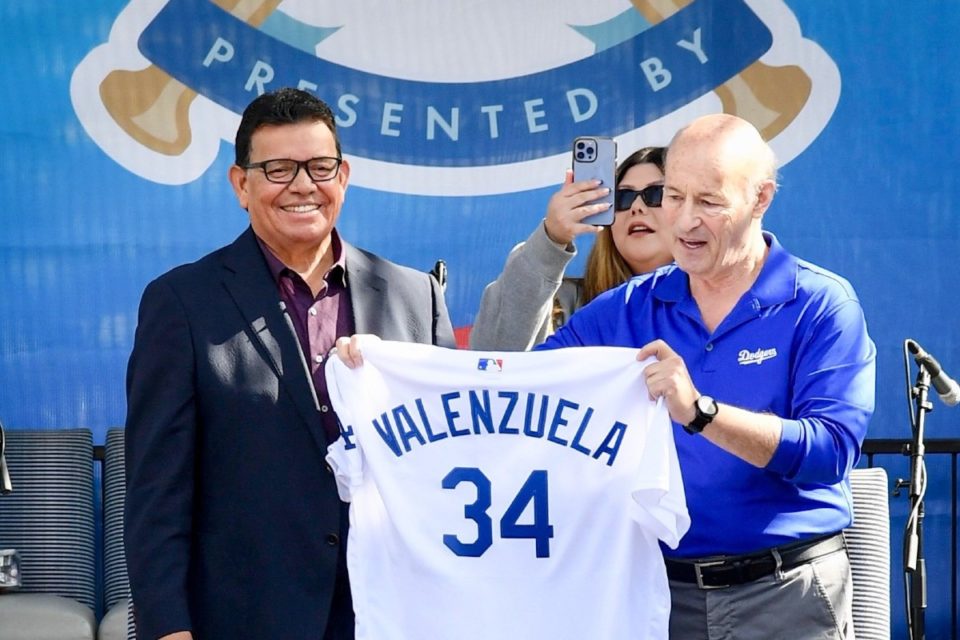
<point>233,524</point>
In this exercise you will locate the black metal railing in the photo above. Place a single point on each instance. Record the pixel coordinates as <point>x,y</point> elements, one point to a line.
<point>931,447</point>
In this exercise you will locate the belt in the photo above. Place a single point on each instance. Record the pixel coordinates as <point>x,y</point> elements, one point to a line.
<point>719,572</point>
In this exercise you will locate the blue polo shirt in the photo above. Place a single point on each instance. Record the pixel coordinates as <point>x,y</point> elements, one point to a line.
<point>795,345</point>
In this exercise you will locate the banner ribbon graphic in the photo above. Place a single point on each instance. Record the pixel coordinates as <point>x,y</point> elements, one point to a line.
<point>466,123</point>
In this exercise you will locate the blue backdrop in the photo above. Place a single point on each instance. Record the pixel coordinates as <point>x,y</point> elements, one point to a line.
<point>459,132</point>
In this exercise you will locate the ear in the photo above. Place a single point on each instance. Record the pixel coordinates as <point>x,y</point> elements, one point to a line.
<point>238,180</point>
<point>765,193</point>
<point>344,174</point>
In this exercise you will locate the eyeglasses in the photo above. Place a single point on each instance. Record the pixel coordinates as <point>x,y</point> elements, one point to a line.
<point>284,171</point>
<point>652,196</point>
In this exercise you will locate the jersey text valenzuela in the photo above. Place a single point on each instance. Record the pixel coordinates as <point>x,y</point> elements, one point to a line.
<point>475,412</point>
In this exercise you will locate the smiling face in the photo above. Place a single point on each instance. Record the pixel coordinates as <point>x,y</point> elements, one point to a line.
<point>294,220</point>
<point>635,231</point>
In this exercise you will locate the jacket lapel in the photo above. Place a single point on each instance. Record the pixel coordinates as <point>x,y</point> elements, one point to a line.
<point>248,281</point>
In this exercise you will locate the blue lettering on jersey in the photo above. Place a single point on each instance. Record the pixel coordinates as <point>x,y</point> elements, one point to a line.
<point>528,427</point>
<point>560,421</point>
<point>407,427</point>
<point>611,444</point>
<point>431,436</point>
<point>452,415</point>
<point>512,397</point>
<point>402,428</point>
<point>575,445</point>
<point>387,434</point>
<point>480,411</point>
<point>346,432</point>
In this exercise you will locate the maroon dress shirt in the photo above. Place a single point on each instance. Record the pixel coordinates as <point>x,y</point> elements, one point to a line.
<point>318,320</point>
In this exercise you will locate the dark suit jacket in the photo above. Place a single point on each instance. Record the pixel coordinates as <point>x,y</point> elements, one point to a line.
<point>233,523</point>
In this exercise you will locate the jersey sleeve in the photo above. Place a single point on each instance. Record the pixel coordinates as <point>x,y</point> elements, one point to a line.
<point>345,456</point>
<point>660,504</point>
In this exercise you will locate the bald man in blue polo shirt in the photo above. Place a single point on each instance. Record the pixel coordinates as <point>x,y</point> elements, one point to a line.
<point>768,373</point>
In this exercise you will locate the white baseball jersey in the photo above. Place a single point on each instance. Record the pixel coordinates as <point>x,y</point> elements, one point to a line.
<point>500,496</point>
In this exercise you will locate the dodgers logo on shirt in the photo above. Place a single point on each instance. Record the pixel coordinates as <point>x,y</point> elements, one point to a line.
<point>757,356</point>
<point>463,102</point>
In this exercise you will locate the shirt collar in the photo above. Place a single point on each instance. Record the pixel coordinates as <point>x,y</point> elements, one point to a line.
<point>336,273</point>
<point>777,282</point>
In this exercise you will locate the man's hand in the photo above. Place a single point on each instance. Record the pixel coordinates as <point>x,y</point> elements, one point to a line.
<point>568,206</point>
<point>179,635</point>
<point>348,349</point>
<point>669,379</point>
<point>750,436</point>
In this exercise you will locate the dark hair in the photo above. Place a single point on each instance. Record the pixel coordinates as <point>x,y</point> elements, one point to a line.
<point>282,106</point>
<point>646,155</point>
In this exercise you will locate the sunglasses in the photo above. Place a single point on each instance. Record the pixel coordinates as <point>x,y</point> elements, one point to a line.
<point>652,196</point>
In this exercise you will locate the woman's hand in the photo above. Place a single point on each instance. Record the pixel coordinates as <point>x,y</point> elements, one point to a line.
<point>568,206</point>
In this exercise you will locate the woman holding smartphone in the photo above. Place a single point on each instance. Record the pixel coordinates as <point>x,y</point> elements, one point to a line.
<point>531,297</point>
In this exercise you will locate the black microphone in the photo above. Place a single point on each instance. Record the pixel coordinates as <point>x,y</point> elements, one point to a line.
<point>947,388</point>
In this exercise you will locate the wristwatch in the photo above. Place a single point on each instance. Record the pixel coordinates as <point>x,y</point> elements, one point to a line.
<point>706,408</point>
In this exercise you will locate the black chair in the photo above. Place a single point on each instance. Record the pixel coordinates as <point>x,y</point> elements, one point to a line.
<point>117,624</point>
<point>49,520</point>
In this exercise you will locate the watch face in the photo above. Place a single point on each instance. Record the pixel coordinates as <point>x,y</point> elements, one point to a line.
<point>707,405</point>
<point>706,411</point>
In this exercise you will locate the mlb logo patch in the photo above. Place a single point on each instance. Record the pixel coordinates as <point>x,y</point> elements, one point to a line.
<point>490,364</point>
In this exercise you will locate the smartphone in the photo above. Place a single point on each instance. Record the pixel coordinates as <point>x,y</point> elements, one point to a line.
<point>595,158</point>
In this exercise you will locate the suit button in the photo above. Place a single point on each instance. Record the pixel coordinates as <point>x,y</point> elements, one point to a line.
<point>333,539</point>
<point>328,468</point>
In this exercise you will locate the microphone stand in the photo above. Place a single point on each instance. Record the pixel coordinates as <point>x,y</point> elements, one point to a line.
<point>914,564</point>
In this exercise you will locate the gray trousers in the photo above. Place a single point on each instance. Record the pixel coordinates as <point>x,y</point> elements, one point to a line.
<point>812,600</point>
